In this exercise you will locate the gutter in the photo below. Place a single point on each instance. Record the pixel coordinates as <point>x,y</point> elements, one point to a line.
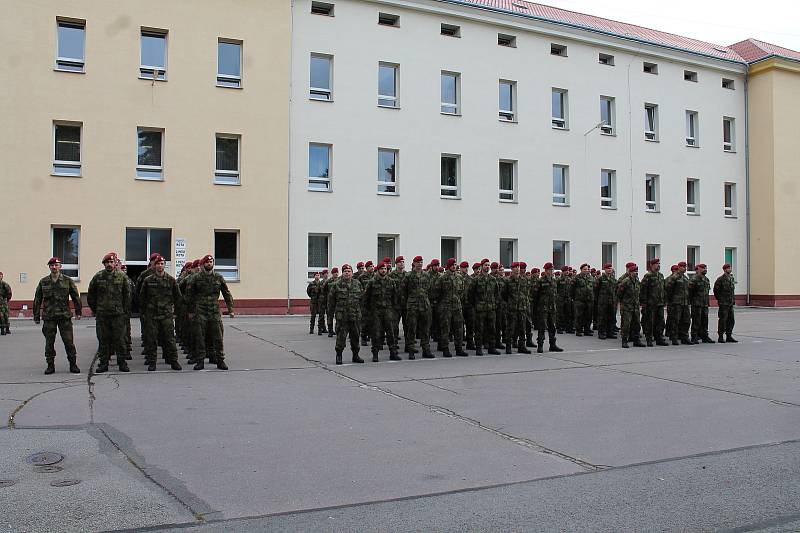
<point>747,177</point>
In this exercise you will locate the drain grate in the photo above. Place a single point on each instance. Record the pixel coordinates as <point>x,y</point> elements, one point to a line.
<point>64,482</point>
<point>48,469</point>
<point>7,482</point>
<point>44,458</point>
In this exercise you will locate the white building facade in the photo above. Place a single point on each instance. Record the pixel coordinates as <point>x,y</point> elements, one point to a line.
<point>424,127</point>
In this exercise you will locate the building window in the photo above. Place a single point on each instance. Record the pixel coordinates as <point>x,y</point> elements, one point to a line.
<point>692,258</point>
<point>605,59</point>
<point>650,68</point>
<point>149,146</point>
<point>387,85</point>
<point>67,148</point>
<point>560,254</point>
<point>387,19</point>
<point>321,81</point>
<point>692,196</point>
<point>559,118</point>
<point>229,63</point>
<point>226,254</point>
<point>508,251</point>
<point>692,129</point>
<point>728,134</point>
<point>451,88</point>
<point>651,193</point>
<point>387,171</point>
<point>506,40</point>
<point>608,254</point>
<point>319,253</point>
<point>560,185</point>
<point>71,39</point>
<point>507,100</point>
<point>319,167</point>
<point>607,106</point>
<point>451,30</point>
<point>387,247</point>
<point>558,50</point>
<point>730,258</point>
<point>450,184</point>
<point>730,199</point>
<point>508,181</point>
<point>608,189</point>
<point>450,247</point>
<point>153,58</point>
<point>322,8</point>
<point>727,84</point>
<point>141,242</point>
<point>652,251</point>
<point>690,75</point>
<point>227,168</point>
<point>66,246</point>
<point>651,122</point>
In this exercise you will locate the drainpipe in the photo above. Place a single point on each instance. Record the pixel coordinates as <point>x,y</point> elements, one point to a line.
<point>747,175</point>
<point>289,176</point>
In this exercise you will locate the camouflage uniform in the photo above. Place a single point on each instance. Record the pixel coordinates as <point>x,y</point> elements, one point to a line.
<point>329,309</point>
<point>414,291</point>
<point>568,304</point>
<point>725,293</point>
<point>186,329</point>
<point>366,318</point>
<point>545,301</point>
<point>433,275</point>
<point>52,301</point>
<point>160,297</point>
<point>606,306</point>
<point>651,295</point>
<point>139,280</point>
<point>699,287</point>
<point>500,310</point>
<point>109,298</point>
<point>380,300</point>
<point>516,298</point>
<point>399,307</point>
<point>314,292</point>
<point>202,301</point>
<point>5,296</point>
<point>468,310</point>
<point>582,292</point>
<point>483,296</point>
<point>628,294</point>
<point>127,319</point>
<point>344,297</point>
<point>676,289</point>
<point>448,289</point>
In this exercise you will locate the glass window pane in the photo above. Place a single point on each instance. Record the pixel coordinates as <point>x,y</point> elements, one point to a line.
<point>318,161</point>
<point>605,184</point>
<point>229,59</point>
<point>386,247</point>
<point>317,251</point>
<point>386,80</point>
<point>154,50</point>
<point>70,41</point>
<point>449,249</point>
<point>320,72</point>
<point>559,185</point>
<point>449,171</point>
<point>505,96</point>
<point>225,248</point>
<point>386,166</point>
<point>605,111</point>
<point>68,143</point>
<point>448,89</point>
<point>559,254</point>
<point>506,176</point>
<point>66,244</point>
<point>729,255</point>
<point>227,153</point>
<point>726,130</point>
<point>558,104</point>
<point>136,244</point>
<point>161,242</point>
<point>149,147</point>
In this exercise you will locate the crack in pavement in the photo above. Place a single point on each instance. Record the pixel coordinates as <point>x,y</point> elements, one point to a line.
<point>10,423</point>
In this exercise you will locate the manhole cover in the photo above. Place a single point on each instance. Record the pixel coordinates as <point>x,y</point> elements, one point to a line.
<point>48,469</point>
<point>44,458</point>
<point>7,482</point>
<point>65,482</point>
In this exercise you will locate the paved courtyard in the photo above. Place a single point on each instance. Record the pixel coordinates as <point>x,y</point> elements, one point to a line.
<point>687,438</point>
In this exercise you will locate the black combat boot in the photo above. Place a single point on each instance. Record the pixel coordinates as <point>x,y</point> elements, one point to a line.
<point>151,367</point>
<point>338,358</point>
<point>578,333</point>
<point>478,351</point>
<point>560,331</point>
<point>540,346</point>
<point>649,343</point>
<point>461,353</point>
<point>601,336</point>
<point>411,356</point>
<point>508,348</point>
<point>637,343</point>
<point>375,356</point>
<point>446,353</point>
<point>707,340</point>
<point>493,351</point>
<point>199,365</point>
<point>426,354</point>
<point>721,339</point>
<point>51,368</point>
<point>331,334</point>
<point>320,332</point>
<point>2,330</point>
<point>522,348</point>
<point>357,359</point>
<point>220,365</point>
<point>122,364</point>
<point>729,338</point>
<point>311,330</point>
<point>612,336</point>
<point>323,329</point>
<point>675,342</point>
<point>694,340</point>
<point>73,365</point>
<point>529,341</point>
<point>393,356</point>
<point>588,332</point>
<point>470,345</point>
<point>175,365</point>
<point>554,348</point>
<point>661,342</point>
<point>625,343</point>
<point>102,367</point>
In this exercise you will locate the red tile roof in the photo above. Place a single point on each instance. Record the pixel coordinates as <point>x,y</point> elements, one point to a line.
<point>753,50</point>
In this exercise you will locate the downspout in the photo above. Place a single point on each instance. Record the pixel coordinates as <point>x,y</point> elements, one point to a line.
<point>747,176</point>
<point>289,166</point>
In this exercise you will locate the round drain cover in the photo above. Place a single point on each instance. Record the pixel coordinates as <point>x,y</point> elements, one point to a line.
<point>48,469</point>
<point>65,482</point>
<point>44,458</point>
<point>7,482</point>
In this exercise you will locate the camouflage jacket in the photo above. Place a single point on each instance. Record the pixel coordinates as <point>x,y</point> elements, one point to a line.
<point>327,287</point>
<point>699,287</point>
<point>725,290</point>
<point>381,294</point>
<point>676,289</point>
<point>466,284</point>
<point>568,282</point>
<point>344,297</point>
<point>202,294</point>
<point>314,291</point>
<point>545,294</point>
<point>398,277</point>
<point>139,280</point>
<point>5,292</point>
<point>628,292</point>
<point>582,289</point>
<point>515,294</point>
<point>448,289</point>
<point>652,289</point>
<point>160,296</point>
<point>483,293</point>
<point>52,298</point>
<point>606,289</point>
<point>415,290</point>
<point>109,293</point>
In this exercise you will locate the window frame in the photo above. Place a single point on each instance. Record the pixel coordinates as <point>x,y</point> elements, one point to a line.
<point>608,202</point>
<point>564,252</point>
<point>559,50</point>
<point>565,194</point>
<point>456,240</point>
<point>651,134</point>
<point>611,127</point>
<point>650,68</point>
<point>457,105</point>
<point>605,59</point>
<point>508,115</point>
<point>732,260</point>
<point>506,40</point>
<point>395,184</point>
<point>63,61</point>
<point>327,181</point>
<point>314,269</point>
<point>729,145</point>
<point>655,207</point>
<point>690,75</point>
<point>562,122</point>
<point>693,208</point>
<point>604,259</point>
<point>457,187</point>
<point>157,73</point>
<point>150,169</point>
<point>692,127</point>
<point>388,20</point>
<point>692,258</point>
<point>394,100</point>
<point>231,81</point>
<point>730,211</point>
<point>222,269</point>
<point>327,94</point>
<point>514,251</point>
<point>728,83</point>
<point>655,248</point>
<point>67,266</point>
<point>513,190</point>
<point>324,9</point>
<point>65,164</point>
<point>228,177</point>
<point>148,245</point>
<point>450,30</point>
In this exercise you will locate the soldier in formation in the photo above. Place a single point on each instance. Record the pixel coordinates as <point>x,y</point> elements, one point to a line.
<point>51,305</point>
<point>5,297</point>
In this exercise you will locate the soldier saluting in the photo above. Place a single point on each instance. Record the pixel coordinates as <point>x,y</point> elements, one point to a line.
<point>53,294</point>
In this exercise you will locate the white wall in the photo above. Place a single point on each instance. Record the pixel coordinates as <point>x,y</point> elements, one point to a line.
<point>354,214</point>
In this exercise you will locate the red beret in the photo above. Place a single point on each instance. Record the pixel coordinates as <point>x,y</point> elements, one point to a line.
<point>346,267</point>
<point>124,267</point>
<point>674,268</point>
<point>418,259</point>
<point>434,262</point>
<point>535,270</point>
<point>608,265</point>
<point>53,260</point>
<point>367,264</point>
<point>335,270</point>
<point>484,260</point>
<point>701,265</point>
<point>634,267</point>
<point>548,266</point>
<point>382,264</point>
<point>566,267</point>
<point>476,266</point>
<point>593,271</point>
<point>451,262</point>
<point>494,265</point>
<point>360,264</point>
<point>441,269</point>
<point>654,261</point>
<point>682,264</point>
<point>558,272</point>
<point>399,259</point>
<point>158,259</point>
<point>726,265</point>
<point>206,258</point>
<point>387,260</point>
<point>629,264</point>
<point>584,265</point>
<point>463,264</point>
<point>523,264</point>
<point>110,256</point>
<point>195,263</point>
<point>153,256</point>
<point>324,272</point>
<point>515,264</point>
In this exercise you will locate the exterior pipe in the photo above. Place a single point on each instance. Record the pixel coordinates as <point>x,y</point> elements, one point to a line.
<point>747,178</point>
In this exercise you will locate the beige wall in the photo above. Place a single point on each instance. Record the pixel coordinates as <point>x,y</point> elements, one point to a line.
<point>774,172</point>
<point>111,102</point>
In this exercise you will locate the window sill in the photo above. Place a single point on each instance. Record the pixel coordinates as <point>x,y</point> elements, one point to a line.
<point>152,79</point>
<point>138,178</point>
<point>56,69</point>
<point>693,214</point>
<point>239,88</point>
<point>692,146</point>
<point>323,100</point>
<point>55,174</point>
<point>608,134</point>
<point>388,194</point>
<point>388,106</point>
<point>652,210</point>
<point>450,114</point>
<point>561,128</point>
<point>506,121</point>
<point>443,197</point>
<point>651,140</point>
<point>239,184</point>
<point>731,216</point>
<point>608,207</point>
<point>729,151</point>
<point>312,189</point>
<point>559,205</point>
<point>507,201</point>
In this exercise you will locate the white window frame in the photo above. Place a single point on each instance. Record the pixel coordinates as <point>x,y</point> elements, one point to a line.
<point>692,250</point>
<point>148,245</point>
<point>611,127</point>
<point>457,240</point>
<point>562,122</point>
<point>389,20</point>
<point>457,188</point>
<point>609,202</point>
<point>558,50</point>
<point>692,129</point>
<point>67,266</point>
<point>652,206</point>
<point>448,108</point>
<point>514,251</point>
<point>153,72</point>
<point>730,144</point>
<point>729,210</point>
<point>728,83</point>
<point>650,68</point>
<point>655,248</point>
<point>613,259</point>
<point>508,115</point>
<point>693,208</point>
<point>561,199</point>
<point>391,254</point>
<point>506,40</point>
<point>324,9</point>
<point>314,269</point>
<point>70,169</point>
<point>396,181</point>
<point>513,191</point>
<point>690,75</point>
<point>605,59</point>
<point>651,126</point>
<point>385,100</point>
<point>231,81</point>
<point>326,182</point>
<point>566,254</point>
<point>228,177</point>
<point>450,30</point>
<point>150,172</point>
<point>321,94</point>
<point>79,63</point>
<point>227,269</point>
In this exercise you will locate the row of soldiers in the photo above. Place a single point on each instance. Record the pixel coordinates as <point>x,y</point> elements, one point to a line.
<point>493,309</point>
<point>191,302</point>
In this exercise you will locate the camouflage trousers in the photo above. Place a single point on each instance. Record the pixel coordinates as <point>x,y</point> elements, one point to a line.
<point>451,321</point>
<point>110,337</point>
<point>485,329</point>
<point>365,323</point>
<point>348,327</point>
<point>583,315</point>
<point>417,323</point>
<point>545,320</point>
<point>322,321</point>
<point>653,322</point>
<point>514,328</point>
<point>469,325</point>
<point>164,329</point>
<point>679,318</point>
<point>4,313</point>
<point>49,329</point>
<point>316,312</point>
<point>329,317</point>
<point>606,317</point>
<point>699,321</point>
<point>207,338</point>
<point>726,320</point>
<point>399,316</point>
<point>630,323</point>
<point>383,324</point>
<point>499,325</point>
<point>566,319</point>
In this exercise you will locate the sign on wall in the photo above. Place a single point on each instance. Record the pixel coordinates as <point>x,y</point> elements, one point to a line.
<point>180,254</point>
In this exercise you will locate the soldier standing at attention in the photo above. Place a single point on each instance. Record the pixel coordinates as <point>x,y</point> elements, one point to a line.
<point>330,311</point>
<point>160,297</point>
<point>725,293</point>
<point>203,290</point>
<point>466,305</point>
<point>397,276</point>
<point>132,287</point>
<point>568,302</point>
<point>53,293</point>
<point>448,289</point>
<point>366,319</point>
<point>380,298</point>
<point>516,304</point>
<point>699,287</point>
<point>583,295</point>
<point>668,325</point>
<point>139,281</point>
<point>5,297</point>
<point>628,293</point>
<point>677,291</point>
<point>545,300</point>
<point>531,323</point>
<point>344,298</point>
<point>483,296</point>
<point>314,292</point>
<point>606,303</point>
<point>414,291</point>
<point>109,298</point>
<point>651,296</point>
